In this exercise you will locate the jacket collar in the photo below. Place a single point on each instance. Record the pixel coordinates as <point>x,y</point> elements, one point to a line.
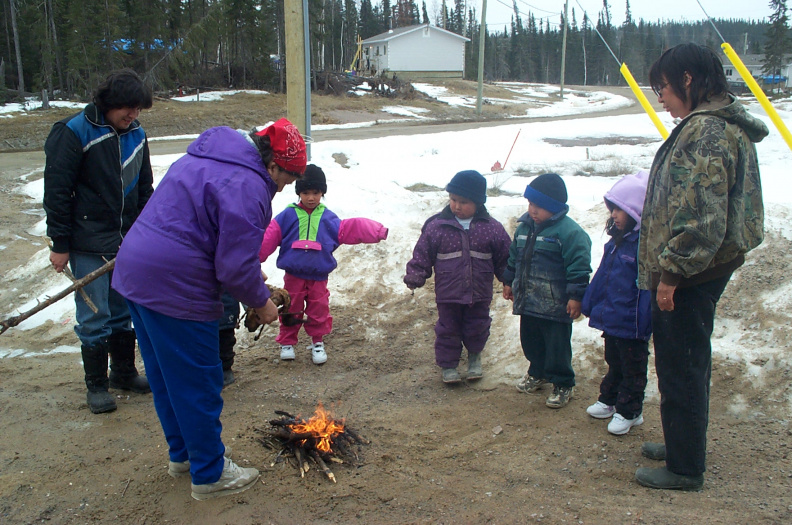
<point>96,117</point>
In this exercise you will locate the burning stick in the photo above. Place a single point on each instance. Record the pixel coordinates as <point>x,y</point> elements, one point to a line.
<point>321,438</point>
<point>318,459</point>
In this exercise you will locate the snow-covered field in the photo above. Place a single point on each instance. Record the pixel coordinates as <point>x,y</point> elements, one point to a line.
<point>589,153</point>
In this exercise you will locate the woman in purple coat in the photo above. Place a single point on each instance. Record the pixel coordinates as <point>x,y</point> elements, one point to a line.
<point>466,247</point>
<point>200,233</point>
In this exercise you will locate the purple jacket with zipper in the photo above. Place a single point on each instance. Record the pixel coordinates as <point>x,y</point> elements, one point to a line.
<point>464,261</point>
<point>613,303</point>
<point>201,232</point>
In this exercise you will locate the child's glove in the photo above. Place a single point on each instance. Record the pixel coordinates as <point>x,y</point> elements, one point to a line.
<point>279,297</point>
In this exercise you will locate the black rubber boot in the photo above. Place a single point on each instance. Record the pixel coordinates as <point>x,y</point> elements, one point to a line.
<point>227,342</point>
<point>123,374</point>
<point>95,365</point>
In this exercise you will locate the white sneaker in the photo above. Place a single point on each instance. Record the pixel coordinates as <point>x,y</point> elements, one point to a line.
<point>620,426</point>
<point>287,353</point>
<point>600,410</point>
<point>234,479</point>
<point>181,469</point>
<point>318,353</point>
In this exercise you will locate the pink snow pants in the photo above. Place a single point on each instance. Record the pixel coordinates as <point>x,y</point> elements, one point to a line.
<point>313,299</point>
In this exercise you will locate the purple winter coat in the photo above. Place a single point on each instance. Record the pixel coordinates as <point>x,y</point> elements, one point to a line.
<point>201,231</point>
<point>613,303</point>
<point>464,261</point>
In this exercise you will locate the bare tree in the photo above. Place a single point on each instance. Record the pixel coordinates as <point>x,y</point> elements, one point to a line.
<point>12,5</point>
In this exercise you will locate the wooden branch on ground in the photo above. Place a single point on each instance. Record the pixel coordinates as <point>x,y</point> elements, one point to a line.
<point>318,459</point>
<point>10,322</point>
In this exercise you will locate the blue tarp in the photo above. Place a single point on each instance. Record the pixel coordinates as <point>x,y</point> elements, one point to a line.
<point>773,79</point>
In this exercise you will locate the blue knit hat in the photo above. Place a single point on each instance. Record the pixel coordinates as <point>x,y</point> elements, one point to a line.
<point>547,191</point>
<point>469,184</point>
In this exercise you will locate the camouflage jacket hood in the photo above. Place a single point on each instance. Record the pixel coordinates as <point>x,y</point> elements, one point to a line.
<point>703,209</point>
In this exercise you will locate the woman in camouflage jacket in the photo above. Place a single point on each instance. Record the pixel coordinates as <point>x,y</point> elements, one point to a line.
<point>703,211</point>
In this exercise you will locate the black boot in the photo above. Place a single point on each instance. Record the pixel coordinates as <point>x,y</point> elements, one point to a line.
<point>95,365</point>
<point>227,342</point>
<point>123,374</point>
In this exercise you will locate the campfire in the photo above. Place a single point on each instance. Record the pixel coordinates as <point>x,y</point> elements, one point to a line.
<point>321,439</point>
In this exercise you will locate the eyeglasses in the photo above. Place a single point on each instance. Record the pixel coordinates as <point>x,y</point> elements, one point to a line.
<point>658,89</point>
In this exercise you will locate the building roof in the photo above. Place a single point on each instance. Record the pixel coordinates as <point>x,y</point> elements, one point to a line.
<point>753,60</point>
<point>401,31</point>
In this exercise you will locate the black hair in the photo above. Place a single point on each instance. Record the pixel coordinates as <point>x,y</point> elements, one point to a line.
<point>610,226</point>
<point>264,147</point>
<point>122,89</point>
<point>701,63</point>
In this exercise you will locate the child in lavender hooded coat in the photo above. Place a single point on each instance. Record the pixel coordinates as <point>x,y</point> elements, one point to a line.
<point>466,247</point>
<point>614,304</point>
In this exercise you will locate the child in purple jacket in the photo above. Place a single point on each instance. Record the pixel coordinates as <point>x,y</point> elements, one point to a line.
<point>466,247</point>
<point>614,304</point>
<point>308,233</point>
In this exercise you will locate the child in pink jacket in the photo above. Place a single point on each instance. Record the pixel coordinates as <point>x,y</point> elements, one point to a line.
<point>308,234</point>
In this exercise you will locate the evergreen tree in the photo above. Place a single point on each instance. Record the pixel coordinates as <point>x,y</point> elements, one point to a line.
<point>778,41</point>
<point>369,25</point>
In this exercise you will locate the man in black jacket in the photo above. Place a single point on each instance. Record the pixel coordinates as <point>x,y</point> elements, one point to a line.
<point>96,181</point>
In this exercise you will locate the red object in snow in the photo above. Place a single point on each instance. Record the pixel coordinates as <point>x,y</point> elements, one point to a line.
<point>496,167</point>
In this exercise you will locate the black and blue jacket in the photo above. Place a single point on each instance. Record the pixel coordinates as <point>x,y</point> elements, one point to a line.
<point>549,264</point>
<point>96,182</point>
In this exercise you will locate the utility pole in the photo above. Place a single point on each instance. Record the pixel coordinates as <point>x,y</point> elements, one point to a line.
<point>563,48</point>
<point>297,85</point>
<point>482,39</point>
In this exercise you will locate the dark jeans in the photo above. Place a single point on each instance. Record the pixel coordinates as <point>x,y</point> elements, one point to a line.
<point>624,384</point>
<point>683,359</point>
<point>459,324</point>
<point>548,346</point>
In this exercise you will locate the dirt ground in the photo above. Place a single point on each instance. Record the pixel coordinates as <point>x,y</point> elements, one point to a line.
<point>479,452</point>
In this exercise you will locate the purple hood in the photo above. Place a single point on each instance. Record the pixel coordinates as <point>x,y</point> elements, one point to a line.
<point>628,194</point>
<point>201,231</point>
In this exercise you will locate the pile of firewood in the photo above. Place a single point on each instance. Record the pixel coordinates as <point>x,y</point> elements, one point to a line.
<point>320,440</point>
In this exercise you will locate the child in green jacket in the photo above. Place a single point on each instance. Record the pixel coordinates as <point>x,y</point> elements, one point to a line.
<point>549,268</point>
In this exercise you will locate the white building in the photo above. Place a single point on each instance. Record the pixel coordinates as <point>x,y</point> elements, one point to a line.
<point>754,64</point>
<point>415,52</point>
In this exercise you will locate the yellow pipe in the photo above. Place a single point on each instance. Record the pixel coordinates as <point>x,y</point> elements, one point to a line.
<point>625,71</point>
<point>758,93</point>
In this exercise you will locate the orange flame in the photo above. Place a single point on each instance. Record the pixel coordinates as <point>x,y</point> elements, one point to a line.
<point>322,427</point>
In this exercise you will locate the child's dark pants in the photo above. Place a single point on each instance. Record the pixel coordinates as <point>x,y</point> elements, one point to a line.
<point>459,324</point>
<point>548,346</point>
<point>625,382</point>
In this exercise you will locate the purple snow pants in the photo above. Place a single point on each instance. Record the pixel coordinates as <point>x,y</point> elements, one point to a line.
<point>457,325</point>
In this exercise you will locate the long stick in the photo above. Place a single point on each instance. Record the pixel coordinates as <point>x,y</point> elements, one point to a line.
<point>751,83</point>
<point>77,285</point>
<point>84,295</point>
<point>631,82</point>
<point>71,277</point>
<point>510,150</point>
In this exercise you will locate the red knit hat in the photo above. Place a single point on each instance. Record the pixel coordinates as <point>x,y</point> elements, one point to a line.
<point>288,146</point>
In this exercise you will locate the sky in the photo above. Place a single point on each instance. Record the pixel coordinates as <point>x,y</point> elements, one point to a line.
<point>591,154</point>
<point>499,12</point>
